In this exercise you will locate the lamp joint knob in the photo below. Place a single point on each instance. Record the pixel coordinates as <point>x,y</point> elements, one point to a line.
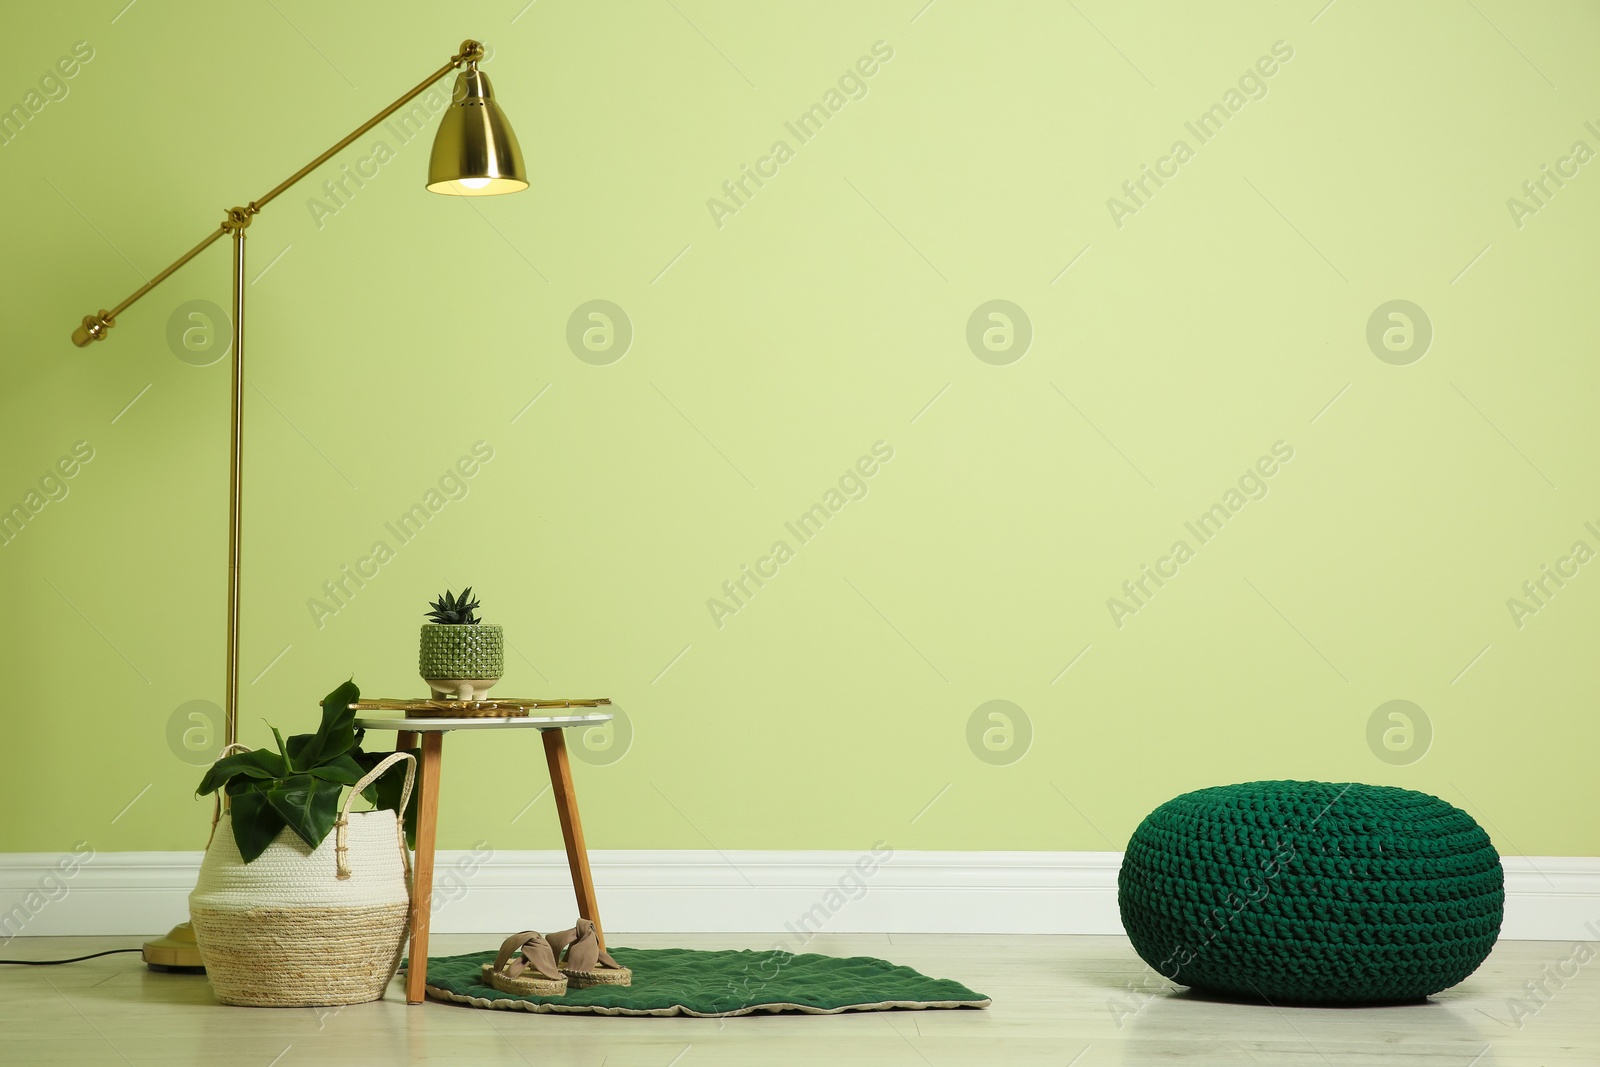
<point>93,329</point>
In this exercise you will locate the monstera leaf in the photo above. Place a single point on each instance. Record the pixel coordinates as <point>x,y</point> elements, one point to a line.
<point>308,805</point>
<point>342,769</point>
<point>300,785</point>
<point>258,763</point>
<point>336,736</point>
<point>255,823</point>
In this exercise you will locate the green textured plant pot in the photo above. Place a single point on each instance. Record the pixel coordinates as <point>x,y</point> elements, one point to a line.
<point>467,654</point>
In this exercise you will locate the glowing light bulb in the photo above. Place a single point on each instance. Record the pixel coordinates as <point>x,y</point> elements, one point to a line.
<point>475,183</point>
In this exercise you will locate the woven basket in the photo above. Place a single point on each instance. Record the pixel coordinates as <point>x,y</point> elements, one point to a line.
<point>302,927</point>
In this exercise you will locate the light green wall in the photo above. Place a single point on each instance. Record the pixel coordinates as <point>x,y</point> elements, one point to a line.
<point>820,318</point>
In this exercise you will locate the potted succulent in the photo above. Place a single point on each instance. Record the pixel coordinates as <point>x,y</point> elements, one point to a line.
<point>301,901</point>
<point>461,657</point>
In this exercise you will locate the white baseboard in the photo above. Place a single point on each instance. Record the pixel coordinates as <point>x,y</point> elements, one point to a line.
<point>481,891</point>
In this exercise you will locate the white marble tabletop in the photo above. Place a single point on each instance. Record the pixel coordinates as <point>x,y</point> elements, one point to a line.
<point>387,721</point>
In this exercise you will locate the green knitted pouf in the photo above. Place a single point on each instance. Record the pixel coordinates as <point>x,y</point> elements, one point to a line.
<point>1312,892</point>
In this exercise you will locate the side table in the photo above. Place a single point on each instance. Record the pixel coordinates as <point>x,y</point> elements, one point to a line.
<point>431,732</point>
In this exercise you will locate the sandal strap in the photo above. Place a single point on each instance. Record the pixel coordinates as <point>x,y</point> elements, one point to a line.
<point>584,952</point>
<point>560,941</point>
<point>524,950</point>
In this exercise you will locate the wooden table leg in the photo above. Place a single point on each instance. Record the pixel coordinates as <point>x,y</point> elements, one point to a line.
<point>422,869</point>
<point>555,753</point>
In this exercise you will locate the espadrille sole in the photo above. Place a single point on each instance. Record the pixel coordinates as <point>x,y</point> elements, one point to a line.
<point>526,987</point>
<point>585,979</point>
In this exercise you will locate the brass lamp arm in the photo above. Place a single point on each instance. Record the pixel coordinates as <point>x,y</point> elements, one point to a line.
<point>95,327</point>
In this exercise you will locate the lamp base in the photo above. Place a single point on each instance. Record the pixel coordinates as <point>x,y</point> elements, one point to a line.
<point>177,953</point>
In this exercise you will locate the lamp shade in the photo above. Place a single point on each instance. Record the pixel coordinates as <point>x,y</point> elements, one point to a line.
<point>475,152</point>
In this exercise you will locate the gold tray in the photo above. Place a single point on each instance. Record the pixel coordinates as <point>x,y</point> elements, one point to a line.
<point>495,707</point>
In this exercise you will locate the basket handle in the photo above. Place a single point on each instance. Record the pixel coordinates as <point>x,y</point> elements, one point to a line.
<point>339,845</point>
<point>216,812</point>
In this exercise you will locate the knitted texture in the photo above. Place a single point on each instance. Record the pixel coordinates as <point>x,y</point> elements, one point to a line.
<point>1312,892</point>
<point>451,651</point>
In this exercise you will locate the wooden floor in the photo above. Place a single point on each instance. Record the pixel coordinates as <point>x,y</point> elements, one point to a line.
<point>1057,1001</point>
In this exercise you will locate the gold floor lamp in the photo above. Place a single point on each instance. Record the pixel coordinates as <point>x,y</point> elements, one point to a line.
<point>475,153</point>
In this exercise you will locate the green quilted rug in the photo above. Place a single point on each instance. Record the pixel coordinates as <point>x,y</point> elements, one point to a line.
<point>681,981</point>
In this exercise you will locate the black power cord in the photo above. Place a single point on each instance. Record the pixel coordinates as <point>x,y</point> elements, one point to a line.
<point>75,959</point>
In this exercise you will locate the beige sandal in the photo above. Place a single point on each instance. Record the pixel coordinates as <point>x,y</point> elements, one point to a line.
<point>584,962</point>
<point>526,965</point>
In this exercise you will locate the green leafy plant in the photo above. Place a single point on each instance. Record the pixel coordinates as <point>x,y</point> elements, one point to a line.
<point>452,610</point>
<point>300,785</point>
